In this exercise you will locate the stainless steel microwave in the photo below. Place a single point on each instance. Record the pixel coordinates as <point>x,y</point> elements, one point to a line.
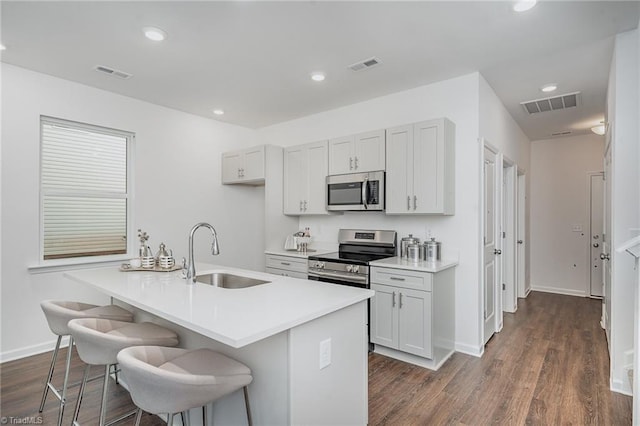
<point>356,192</point>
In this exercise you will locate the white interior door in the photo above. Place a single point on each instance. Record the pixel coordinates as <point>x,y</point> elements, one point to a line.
<point>508,234</point>
<point>596,276</point>
<point>523,289</point>
<point>606,237</point>
<point>489,241</point>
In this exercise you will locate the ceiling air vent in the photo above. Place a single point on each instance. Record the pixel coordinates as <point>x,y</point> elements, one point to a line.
<point>565,133</point>
<point>366,64</point>
<point>114,73</point>
<point>570,100</point>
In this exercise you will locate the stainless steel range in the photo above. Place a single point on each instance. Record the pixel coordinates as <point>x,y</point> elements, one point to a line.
<point>350,264</point>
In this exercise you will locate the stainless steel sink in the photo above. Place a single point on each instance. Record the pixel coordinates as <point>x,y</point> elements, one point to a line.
<point>228,280</point>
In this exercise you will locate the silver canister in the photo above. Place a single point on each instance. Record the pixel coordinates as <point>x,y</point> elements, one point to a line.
<point>413,252</point>
<point>405,242</point>
<point>432,250</point>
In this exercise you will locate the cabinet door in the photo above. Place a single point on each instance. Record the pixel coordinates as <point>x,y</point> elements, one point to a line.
<point>399,174</point>
<point>253,168</point>
<point>414,310</point>
<point>231,166</point>
<point>384,316</point>
<point>369,151</point>
<point>317,167</point>
<point>294,179</point>
<point>428,167</point>
<point>341,156</point>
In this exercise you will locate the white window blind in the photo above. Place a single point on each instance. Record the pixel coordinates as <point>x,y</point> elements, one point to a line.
<point>83,181</point>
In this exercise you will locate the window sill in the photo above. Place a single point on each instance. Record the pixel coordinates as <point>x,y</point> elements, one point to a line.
<point>72,264</point>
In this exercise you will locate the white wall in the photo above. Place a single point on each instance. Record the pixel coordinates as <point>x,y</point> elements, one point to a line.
<point>456,99</point>
<point>560,198</point>
<point>177,184</point>
<point>622,116</point>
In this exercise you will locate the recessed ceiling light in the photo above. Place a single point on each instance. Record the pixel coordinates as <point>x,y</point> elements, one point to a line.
<point>549,87</point>
<point>524,5</point>
<point>317,76</point>
<point>218,111</point>
<point>155,34</point>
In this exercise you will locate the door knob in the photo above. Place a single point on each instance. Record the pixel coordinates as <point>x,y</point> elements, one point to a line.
<point>604,256</point>
<point>520,241</point>
<point>497,251</point>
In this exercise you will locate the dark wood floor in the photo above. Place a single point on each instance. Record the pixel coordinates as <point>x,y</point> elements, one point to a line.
<point>548,366</point>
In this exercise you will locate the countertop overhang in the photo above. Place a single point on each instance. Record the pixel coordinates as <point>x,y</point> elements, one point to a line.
<point>235,317</point>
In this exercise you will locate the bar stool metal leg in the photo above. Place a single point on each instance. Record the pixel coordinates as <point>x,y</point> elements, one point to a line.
<point>50,376</point>
<point>138,416</point>
<point>170,419</point>
<point>76,412</point>
<point>63,399</point>
<point>247,406</point>
<point>105,389</point>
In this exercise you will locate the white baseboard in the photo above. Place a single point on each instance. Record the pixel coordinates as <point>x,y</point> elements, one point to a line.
<point>476,351</point>
<point>559,290</point>
<point>31,350</point>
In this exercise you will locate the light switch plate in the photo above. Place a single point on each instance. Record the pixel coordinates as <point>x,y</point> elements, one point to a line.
<point>325,353</point>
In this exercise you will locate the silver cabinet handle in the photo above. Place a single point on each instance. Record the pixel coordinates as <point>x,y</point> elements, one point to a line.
<point>300,205</point>
<point>596,245</point>
<point>520,241</point>
<point>305,205</point>
<point>239,173</point>
<point>285,263</point>
<point>393,299</point>
<point>396,278</point>
<point>415,202</point>
<point>356,163</point>
<point>497,251</point>
<point>604,256</point>
<point>408,202</point>
<point>350,163</point>
<point>400,304</point>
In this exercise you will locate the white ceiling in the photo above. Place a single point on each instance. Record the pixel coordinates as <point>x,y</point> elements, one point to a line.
<point>253,59</point>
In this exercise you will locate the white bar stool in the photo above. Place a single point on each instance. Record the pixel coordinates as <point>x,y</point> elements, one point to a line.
<point>174,380</point>
<point>58,313</point>
<point>98,342</point>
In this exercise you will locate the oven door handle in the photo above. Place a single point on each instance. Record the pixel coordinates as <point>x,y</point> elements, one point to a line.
<point>357,278</point>
<point>365,192</point>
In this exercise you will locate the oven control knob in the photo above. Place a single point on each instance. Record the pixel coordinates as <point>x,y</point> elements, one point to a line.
<point>349,268</point>
<point>320,265</point>
<point>355,268</point>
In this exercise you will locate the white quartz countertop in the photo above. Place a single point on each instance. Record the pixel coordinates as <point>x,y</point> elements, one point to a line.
<point>423,266</point>
<point>235,317</point>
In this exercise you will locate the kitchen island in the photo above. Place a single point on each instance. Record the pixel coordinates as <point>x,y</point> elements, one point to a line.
<point>278,329</point>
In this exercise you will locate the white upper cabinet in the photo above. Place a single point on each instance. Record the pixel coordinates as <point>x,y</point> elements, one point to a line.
<point>243,166</point>
<point>421,168</point>
<point>364,152</point>
<point>305,173</point>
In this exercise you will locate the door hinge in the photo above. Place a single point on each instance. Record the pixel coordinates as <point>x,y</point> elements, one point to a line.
<point>504,286</point>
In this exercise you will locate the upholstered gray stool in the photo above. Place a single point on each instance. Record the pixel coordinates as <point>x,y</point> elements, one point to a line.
<point>98,342</point>
<point>58,314</point>
<point>173,380</point>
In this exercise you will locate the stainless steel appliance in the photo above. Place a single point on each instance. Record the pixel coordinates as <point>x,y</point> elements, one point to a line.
<point>350,264</point>
<point>356,191</point>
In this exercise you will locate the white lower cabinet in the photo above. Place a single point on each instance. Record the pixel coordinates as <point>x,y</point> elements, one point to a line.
<point>412,315</point>
<point>287,266</point>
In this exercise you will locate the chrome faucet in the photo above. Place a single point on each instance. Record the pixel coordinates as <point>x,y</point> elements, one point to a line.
<point>191,268</point>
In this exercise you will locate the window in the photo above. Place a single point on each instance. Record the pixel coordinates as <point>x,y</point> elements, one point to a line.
<point>84,189</point>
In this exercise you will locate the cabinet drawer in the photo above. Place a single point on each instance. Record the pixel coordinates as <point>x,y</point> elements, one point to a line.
<point>402,278</point>
<point>286,273</point>
<point>294,264</point>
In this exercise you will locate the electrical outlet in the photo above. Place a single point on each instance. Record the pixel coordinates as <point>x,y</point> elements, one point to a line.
<point>325,353</point>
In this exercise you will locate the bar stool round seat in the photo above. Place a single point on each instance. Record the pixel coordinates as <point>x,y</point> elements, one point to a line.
<point>98,342</point>
<point>58,313</point>
<point>174,380</point>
